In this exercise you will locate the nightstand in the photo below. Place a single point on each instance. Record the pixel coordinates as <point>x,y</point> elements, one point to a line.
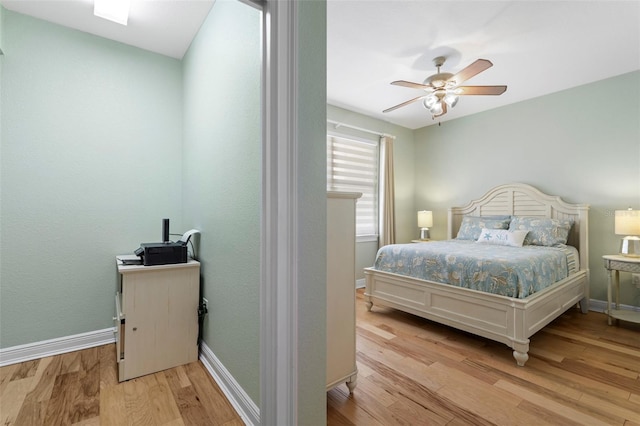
<point>614,264</point>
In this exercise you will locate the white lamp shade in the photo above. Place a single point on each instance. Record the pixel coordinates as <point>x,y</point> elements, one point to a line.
<point>627,222</point>
<point>425,219</point>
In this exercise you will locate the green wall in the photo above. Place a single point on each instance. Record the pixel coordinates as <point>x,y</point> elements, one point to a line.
<point>565,144</point>
<point>91,161</point>
<point>100,141</point>
<point>569,143</point>
<point>1,68</point>
<point>311,159</point>
<point>222,178</point>
<point>1,25</point>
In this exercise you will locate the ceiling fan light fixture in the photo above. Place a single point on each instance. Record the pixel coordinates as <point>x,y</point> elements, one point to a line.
<point>430,101</point>
<point>436,109</point>
<point>451,99</point>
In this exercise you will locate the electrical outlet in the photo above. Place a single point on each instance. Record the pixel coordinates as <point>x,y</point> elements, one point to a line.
<point>635,280</point>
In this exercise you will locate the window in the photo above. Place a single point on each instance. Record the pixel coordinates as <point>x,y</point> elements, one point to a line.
<point>352,166</point>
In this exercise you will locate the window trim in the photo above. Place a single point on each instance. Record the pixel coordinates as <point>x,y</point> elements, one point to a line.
<point>367,238</point>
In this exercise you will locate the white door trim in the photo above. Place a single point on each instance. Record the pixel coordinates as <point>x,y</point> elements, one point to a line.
<point>279,266</point>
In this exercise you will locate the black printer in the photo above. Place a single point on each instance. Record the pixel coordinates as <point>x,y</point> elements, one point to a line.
<point>167,252</point>
<point>162,253</point>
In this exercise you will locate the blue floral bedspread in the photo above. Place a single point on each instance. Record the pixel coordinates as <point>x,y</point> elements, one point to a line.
<point>507,271</point>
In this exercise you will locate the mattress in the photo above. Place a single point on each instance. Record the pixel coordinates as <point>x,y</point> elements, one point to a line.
<point>507,271</point>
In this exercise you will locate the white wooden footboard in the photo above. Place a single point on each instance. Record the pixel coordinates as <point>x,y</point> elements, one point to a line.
<point>508,320</point>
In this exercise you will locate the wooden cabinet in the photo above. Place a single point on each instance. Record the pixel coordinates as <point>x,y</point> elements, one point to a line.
<point>156,317</point>
<point>341,292</point>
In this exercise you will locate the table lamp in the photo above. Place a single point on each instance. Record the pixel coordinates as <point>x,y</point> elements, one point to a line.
<point>425,221</point>
<point>627,223</point>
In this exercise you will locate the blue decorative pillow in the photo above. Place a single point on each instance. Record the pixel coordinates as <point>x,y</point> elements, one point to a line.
<point>471,226</point>
<point>543,231</point>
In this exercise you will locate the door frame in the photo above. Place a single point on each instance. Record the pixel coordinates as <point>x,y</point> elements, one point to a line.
<point>279,266</point>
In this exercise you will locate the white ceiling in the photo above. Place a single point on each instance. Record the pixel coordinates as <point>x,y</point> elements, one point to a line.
<point>162,26</point>
<point>537,47</point>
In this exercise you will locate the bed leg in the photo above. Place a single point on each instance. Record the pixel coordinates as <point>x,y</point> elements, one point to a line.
<point>369,304</point>
<point>367,301</point>
<point>584,305</point>
<point>521,358</point>
<point>521,351</point>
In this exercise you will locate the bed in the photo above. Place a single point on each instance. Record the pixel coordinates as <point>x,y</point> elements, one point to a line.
<point>510,319</point>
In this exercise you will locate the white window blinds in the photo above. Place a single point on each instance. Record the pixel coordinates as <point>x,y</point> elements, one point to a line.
<point>352,166</point>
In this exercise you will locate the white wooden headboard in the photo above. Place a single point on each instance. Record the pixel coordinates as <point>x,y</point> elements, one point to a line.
<point>519,199</point>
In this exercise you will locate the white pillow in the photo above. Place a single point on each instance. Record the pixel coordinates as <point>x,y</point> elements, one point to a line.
<point>502,237</point>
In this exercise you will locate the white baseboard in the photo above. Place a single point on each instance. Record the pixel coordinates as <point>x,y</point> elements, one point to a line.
<point>601,306</point>
<point>61,345</point>
<point>244,406</point>
<point>360,283</point>
<point>597,305</point>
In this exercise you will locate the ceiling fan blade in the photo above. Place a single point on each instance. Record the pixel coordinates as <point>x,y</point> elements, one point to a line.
<point>410,101</point>
<point>475,68</point>
<point>410,84</point>
<point>480,90</point>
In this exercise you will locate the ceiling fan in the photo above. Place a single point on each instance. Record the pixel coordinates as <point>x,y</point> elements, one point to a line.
<point>443,89</point>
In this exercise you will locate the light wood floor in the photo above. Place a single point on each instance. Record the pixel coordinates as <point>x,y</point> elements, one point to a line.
<point>411,372</point>
<point>415,372</point>
<point>81,388</point>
